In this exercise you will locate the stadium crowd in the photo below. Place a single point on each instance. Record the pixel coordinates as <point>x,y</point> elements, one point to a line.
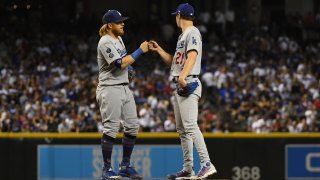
<point>256,78</point>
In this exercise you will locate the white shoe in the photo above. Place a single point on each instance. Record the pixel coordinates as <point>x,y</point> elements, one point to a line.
<point>207,170</point>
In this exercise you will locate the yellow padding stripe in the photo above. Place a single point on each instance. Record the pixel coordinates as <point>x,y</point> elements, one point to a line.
<point>160,135</point>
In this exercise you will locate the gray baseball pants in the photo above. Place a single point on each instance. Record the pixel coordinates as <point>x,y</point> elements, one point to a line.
<point>116,104</point>
<point>186,114</point>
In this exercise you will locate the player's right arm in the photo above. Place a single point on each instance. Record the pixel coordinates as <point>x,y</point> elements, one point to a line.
<point>129,59</point>
<point>166,57</point>
<point>113,57</point>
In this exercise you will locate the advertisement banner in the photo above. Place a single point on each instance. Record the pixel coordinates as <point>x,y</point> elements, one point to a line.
<point>303,162</point>
<point>84,162</point>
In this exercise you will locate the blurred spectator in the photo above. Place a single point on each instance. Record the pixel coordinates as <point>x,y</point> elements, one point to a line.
<point>146,118</point>
<point>170,123</point>
<point>63,127</point>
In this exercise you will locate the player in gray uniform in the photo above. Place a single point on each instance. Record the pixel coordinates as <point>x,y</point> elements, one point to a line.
<point>185,68</point>
<point>113,95</point>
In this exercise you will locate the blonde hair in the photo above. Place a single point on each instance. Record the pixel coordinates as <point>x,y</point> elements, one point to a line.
<point>103,30</point>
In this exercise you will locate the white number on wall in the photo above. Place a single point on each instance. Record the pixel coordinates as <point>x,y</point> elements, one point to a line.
<point>246,173</point>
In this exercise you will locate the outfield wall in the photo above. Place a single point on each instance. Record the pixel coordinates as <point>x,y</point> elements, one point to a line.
<point>237,156</point>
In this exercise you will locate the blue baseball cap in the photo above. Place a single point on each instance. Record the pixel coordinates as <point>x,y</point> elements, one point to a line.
<point>113,16</point>
<point>185,10</point>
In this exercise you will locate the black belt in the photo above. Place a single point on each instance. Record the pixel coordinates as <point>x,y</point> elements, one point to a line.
<point>121,84</point>
<point>175,78</point>
<point>193,76</point>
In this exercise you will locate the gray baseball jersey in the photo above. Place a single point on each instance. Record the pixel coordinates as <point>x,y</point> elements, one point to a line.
<point>109,50</point>
<point>188,40</point>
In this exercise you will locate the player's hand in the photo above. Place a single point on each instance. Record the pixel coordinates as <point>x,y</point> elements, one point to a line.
<point>188,89</point>
<point>182,82</point>
<point>153,46</point>
<point>144,46</point>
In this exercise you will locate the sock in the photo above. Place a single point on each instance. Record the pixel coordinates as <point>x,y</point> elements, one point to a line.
<point>128,142</point>
<point>107,145</point>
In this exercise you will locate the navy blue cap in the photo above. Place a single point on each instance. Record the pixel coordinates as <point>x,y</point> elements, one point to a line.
<point>113,16</point>
<point>185,10</point>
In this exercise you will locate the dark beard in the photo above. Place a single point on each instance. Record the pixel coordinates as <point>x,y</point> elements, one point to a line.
<point>118,33</point>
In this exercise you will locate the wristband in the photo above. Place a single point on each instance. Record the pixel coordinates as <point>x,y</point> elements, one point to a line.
<point>136,53</point>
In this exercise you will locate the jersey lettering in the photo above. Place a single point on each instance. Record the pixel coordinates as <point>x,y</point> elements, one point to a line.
<point>122,52</point>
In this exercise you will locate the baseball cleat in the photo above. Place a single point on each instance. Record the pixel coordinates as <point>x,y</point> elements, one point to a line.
<point>181,175</point>
<point>129,171</point>
<point>207,170</point>
<point>109,174</point>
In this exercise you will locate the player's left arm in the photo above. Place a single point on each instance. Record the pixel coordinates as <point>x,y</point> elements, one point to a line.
<point>191,60</point>
<point>193,47</point>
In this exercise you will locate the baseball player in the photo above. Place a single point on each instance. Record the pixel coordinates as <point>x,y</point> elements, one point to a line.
<point>185,69</point>
<point>113,95</point>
